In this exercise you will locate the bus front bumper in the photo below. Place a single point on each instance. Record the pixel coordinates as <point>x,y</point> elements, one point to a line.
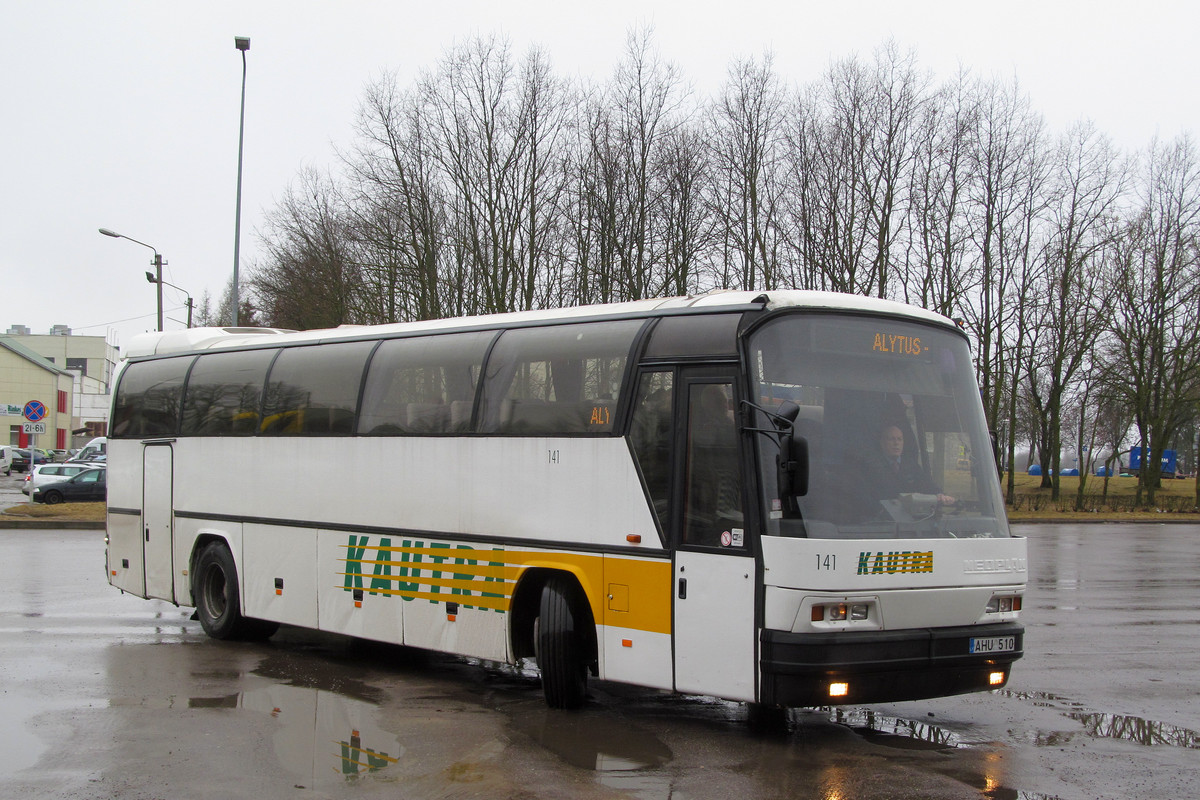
<point>799,669</point>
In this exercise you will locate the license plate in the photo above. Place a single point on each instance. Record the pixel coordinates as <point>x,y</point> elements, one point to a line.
<point>994,644</point>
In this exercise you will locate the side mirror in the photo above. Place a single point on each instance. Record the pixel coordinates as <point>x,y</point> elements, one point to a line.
<point>788,411</point>
<point>792,463</point>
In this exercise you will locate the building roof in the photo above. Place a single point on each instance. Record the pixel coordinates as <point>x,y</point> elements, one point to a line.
<point>30,356</point>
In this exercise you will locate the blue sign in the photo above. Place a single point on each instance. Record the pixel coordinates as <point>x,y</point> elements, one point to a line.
<point>35,411</point>
<point>1168,460</point>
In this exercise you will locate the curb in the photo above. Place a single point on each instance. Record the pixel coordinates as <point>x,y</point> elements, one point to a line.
<point>16,523</point>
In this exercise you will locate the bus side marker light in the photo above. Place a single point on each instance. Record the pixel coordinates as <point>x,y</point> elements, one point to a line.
<point>627,643</point>
<point>358,596</point>
<point>839,689</point>
<point>278,586</point>
<point>451,612</point>
<point>634,538</point>
<point>996,679</point>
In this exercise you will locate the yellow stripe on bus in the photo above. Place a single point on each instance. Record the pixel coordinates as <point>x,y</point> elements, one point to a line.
<point>633,593</point>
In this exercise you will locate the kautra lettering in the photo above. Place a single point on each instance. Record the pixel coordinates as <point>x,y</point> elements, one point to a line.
<point>391,566</point>
<point>895,561</point>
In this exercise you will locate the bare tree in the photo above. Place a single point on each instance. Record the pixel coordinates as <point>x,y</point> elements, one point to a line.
<point>1071,297</point>
<point>747,139</point>
<point>309,278</point>
<point>1157,327</point>
<point>1005,199</point>
<point>937,273</point>
<point>398,208</point>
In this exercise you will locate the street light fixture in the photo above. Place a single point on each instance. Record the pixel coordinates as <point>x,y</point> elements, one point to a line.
<point>242,43</point>
<point>157,263</point>
<point>151,279</point>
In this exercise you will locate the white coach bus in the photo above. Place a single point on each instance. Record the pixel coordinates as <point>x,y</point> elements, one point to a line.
<point>785,498</point>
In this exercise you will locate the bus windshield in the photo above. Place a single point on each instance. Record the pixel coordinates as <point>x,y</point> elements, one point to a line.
<point>896,439</point>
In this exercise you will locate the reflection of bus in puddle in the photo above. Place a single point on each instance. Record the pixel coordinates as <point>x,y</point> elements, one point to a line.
<point>323,735</point>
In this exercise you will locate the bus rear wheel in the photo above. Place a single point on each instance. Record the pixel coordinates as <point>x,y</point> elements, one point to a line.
<point>216,594</point>
<point>561,649</point>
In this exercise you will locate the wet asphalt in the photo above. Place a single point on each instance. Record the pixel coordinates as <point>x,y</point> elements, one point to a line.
<point>110,696</point>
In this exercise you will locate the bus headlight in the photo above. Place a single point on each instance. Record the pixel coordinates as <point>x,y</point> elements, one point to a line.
<point>841,612</point>
<point>1001,604</point>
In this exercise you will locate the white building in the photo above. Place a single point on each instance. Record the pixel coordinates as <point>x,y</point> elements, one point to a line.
<point>88,361</point>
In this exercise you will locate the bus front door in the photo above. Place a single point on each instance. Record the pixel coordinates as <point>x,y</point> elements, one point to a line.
<point>714,626</point>
<point>157,520</point>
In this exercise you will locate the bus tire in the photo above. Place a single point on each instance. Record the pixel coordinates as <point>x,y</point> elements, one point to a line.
<point>217,603</point>
<point>561,651</point>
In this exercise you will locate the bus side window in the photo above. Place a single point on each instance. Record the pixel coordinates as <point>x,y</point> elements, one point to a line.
<point>423,385</point>
<point>149,397</point>
<point>224,393</point>
<point>650,436</point>
<point>314,390</point>
<point>556,380</point>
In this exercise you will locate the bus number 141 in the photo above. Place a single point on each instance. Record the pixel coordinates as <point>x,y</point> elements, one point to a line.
<point>828,562</point>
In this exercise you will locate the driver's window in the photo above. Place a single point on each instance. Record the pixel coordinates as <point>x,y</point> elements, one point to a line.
<point>713,490</point>
<point>650,435</point>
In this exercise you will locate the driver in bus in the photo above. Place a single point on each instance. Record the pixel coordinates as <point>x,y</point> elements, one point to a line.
<point>891,474</point>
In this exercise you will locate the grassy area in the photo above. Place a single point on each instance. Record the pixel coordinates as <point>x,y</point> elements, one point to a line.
<point>87,512</point>
<point>1175,499</point>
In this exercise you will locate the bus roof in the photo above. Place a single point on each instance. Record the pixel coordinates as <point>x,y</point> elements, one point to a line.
<point>193,339</point>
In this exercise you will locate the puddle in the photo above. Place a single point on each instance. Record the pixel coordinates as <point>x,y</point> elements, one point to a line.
<point>324,731</point>
<point>596,742</point>
<point>903,734</point>
<point>1135,729</point>
<point>1099,725</point>
<point>322,736</point>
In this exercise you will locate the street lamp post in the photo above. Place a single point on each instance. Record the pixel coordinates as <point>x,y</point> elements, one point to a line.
<point>151,279</point>
<point>242,43</point>
<point>157,262</point>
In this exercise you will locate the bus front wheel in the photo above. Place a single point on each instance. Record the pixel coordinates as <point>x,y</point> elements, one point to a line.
<point>561,650</point>
<point>216,594</point>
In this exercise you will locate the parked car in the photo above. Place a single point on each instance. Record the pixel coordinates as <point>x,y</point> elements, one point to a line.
<point>20,459</point>
<point>91,484</point>
<point>47,474</point>
<point>60,455</point>
<point>95,450</point>
<point>6,457</point>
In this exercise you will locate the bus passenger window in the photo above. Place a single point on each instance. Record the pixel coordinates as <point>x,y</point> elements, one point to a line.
<point>557,380</point>
<point>148,398</point>
<point>713,501</point>
<point>423,385</point>
<point>224,392</point>
<point>313,391</point>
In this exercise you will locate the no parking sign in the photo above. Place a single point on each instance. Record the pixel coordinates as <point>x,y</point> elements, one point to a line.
<point>35,411</point>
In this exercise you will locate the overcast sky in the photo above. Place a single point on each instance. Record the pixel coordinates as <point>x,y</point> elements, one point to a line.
<point>124,114</point>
